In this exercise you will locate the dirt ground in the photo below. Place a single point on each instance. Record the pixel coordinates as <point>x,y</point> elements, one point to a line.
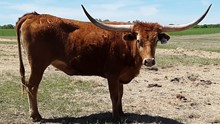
<point>175,94</point>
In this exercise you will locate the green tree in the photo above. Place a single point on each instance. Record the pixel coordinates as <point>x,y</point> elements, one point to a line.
<point>8,26</point>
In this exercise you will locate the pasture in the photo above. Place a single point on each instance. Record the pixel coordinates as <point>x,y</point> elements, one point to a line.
<point>7,32</point>
<point>183,87</point>
<point>197,31</point>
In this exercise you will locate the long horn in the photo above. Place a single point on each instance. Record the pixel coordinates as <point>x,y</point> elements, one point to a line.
<point>173,28</point>
<point>107,26</point>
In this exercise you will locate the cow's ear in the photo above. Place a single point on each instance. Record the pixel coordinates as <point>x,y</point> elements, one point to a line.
<point>129,37</point>
<point>163,38</point>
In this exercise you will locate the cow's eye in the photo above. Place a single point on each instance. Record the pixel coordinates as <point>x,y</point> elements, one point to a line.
<point>138,41</point>
<point>135,33</point>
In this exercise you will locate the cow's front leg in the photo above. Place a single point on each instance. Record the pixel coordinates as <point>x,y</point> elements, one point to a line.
<point>120,100</point>
<point>116,93</point>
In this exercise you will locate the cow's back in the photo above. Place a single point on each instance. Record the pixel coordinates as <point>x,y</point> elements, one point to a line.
<point>75,45</point>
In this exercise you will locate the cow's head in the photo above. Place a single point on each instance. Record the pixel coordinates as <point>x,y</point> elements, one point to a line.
<point>146,35</point>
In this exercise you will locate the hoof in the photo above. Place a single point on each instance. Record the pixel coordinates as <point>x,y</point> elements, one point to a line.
<point>116,118</point>
<point>36,118</point>
<point>121,113</point>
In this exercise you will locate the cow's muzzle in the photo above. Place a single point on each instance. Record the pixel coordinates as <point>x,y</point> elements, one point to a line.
<point>149,62</point>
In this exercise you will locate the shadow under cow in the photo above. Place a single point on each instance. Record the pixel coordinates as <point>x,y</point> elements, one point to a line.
<point>103,118</point>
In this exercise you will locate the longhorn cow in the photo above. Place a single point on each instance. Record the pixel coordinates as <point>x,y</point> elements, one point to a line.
<point>113,51</point>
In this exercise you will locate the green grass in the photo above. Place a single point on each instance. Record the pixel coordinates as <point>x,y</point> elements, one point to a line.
<point>12,104</point>
<point>192,31</point>
<point>174,60</point>
<point>196,31</point>
<point>209,43</point>
<point>59,95</point>
<point>7,32</point>
<point>61,92</point>
<point>201,42</point>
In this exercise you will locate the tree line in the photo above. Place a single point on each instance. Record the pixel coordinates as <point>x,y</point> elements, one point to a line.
<point>10,26</point>
<point>208,26</point>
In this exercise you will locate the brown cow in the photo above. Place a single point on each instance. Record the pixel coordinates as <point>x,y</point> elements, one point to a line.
<point>81,48</point>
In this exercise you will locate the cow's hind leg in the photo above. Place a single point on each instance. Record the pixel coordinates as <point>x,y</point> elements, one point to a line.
<point>32,88</point>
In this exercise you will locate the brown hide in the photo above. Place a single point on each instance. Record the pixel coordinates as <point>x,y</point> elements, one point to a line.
<point>86,49</point>
<point>80,48</point>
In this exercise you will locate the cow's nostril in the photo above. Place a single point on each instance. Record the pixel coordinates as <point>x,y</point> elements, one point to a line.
<point>149,62</point>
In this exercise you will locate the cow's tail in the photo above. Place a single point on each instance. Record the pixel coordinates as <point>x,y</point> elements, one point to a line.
<point>22,69</point>
<point>18,33</point>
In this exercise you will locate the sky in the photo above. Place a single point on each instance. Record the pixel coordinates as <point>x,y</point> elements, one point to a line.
<point>160,11</point>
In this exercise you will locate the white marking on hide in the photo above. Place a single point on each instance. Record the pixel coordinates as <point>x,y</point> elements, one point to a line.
<point>24,43</point>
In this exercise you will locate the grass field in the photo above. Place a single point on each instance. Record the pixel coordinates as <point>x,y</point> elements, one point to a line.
<point>208,44</point>
<point>65,99</point>
<point>7,32</point>
<point>197,31</point>
<point>193,31</point>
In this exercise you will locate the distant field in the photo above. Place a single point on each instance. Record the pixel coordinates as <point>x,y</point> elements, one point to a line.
<point>193,31</point>
<point>205,42</point>
<point>186,65</point>
<point>197,31</point>
<point>7,32</point>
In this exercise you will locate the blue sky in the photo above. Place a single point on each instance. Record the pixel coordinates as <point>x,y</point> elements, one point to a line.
<point>161,11</point>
